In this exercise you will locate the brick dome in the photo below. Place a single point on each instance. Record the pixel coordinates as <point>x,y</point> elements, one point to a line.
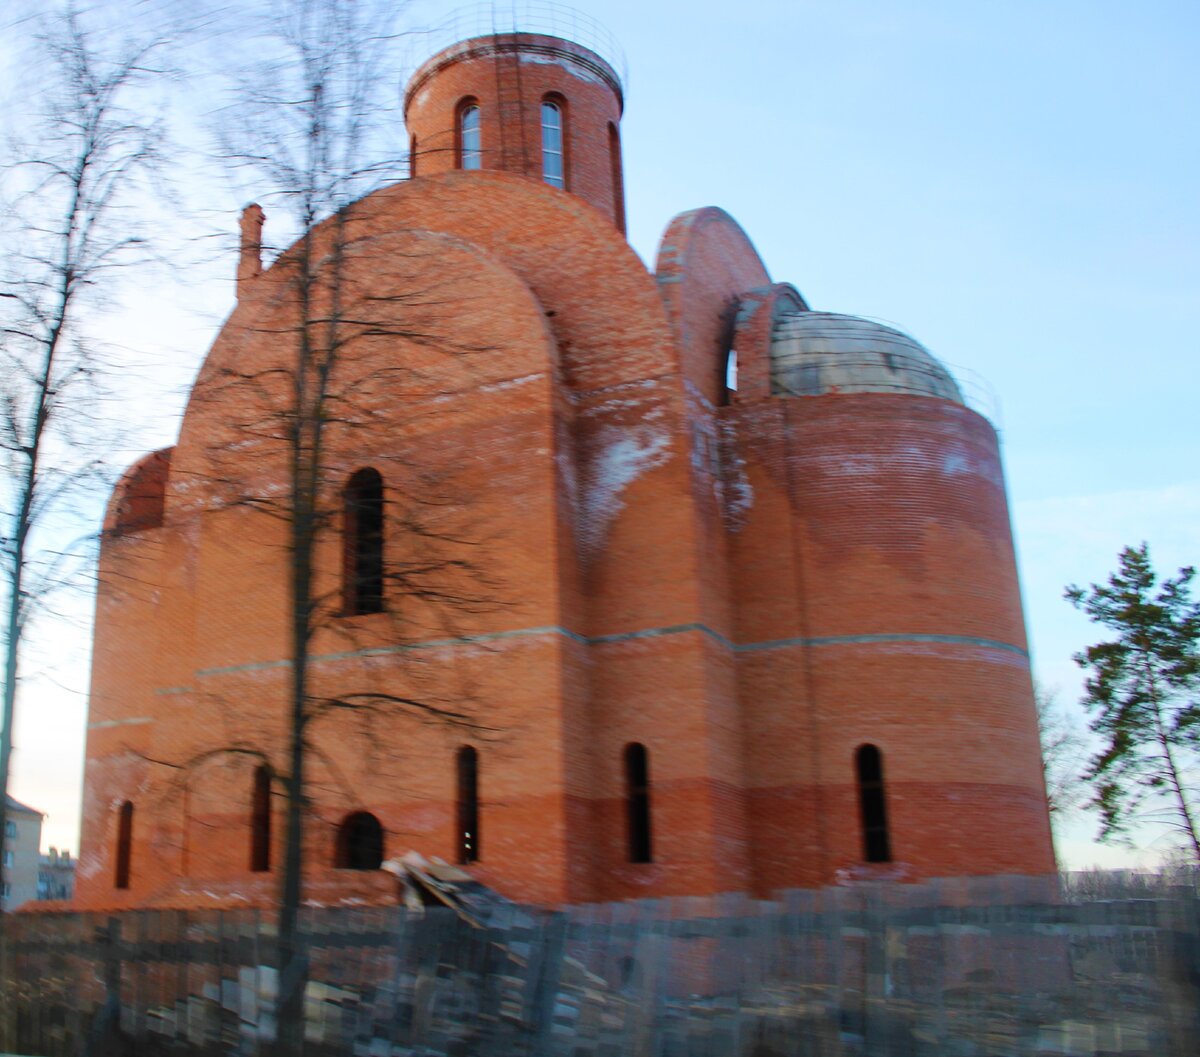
<point>813,353</point>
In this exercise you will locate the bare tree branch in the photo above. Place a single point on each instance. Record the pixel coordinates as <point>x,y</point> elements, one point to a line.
<point>68,193</point>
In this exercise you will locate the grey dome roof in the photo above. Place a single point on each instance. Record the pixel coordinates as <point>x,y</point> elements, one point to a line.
<point>813,353</point>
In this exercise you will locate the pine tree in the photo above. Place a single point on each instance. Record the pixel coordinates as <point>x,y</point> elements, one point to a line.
<point>1143,688</point>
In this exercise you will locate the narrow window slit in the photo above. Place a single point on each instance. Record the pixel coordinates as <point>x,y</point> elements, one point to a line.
<point>124,844</point>
<point>618,180</point>
<point>872,805</point>
<point>637,802</point>
<point>470,135</point>
<point>363,543</point>
<point>260,821</point>
<point>469,846</point>
<point>554,169</point>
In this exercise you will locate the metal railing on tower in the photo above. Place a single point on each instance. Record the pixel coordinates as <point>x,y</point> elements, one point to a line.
<point>521,16</point>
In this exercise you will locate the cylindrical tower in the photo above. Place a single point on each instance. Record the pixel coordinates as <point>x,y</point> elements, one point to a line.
<point>525,103</point>
<point>890,708</point>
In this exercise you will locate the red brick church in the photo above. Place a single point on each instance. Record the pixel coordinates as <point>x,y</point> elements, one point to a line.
<point>664,582</point>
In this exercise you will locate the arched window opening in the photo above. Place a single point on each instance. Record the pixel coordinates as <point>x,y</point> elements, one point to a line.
<point>468,805</point>
<point>637,802</point>
<point>731,375</point>
<point>554,169</point>
<point>124,844</point>
<point>876,845</point>
<point>618,180</point>
<point>412,156</point>
<point>260,820</point>
<point>363,541</point>
<point>470,135</point>
<point>359,842</point>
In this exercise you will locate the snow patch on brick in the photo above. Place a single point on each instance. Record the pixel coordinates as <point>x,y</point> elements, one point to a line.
<point>935,461</point>
<point>575,69</point>
<point>737,493</point>
<point>952,461</point>
<point>623,455</point>
<point>510,383</point>
<point>564,462</point>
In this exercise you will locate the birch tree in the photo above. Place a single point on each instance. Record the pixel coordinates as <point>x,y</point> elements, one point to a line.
<point>71,187</point>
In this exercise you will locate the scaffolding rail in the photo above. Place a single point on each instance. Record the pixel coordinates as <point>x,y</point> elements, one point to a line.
<point>521,16</point>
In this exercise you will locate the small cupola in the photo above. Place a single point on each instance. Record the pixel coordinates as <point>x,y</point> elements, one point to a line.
<point>816,353</point>
<point>522,102</point>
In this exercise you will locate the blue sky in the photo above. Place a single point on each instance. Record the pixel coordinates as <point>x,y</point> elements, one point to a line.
<point>1013,184</point>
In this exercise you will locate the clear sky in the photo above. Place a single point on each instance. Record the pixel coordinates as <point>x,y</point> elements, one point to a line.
<point>1013,184</point>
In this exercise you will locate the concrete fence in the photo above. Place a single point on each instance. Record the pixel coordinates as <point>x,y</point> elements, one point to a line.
<point>982,968</point>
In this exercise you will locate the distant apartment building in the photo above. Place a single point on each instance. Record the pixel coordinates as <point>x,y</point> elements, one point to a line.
<point>56,875</point>
<point>22,839</point>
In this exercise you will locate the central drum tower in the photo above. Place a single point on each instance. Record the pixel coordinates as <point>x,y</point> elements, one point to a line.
<point>521,103</point>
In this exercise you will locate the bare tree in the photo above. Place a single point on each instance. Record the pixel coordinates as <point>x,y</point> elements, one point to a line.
<point>304,133</point>
<point>69,228</point>
<point>307,124</point>
<point>1064,752</point>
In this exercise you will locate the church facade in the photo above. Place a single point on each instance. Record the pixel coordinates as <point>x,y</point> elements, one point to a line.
<point>594,621</point>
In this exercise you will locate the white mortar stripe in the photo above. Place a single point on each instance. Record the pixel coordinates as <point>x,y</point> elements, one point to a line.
<point>105,724</point>
<point>631,636</point>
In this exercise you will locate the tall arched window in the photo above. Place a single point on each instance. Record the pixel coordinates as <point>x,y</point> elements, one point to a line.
<point>469,135</point>
<point>876,845</point>
<point>618,179</point>
<point>468,805</point>
<point>412,156</point>
<point>637,802</point>
<point>124,844</point>
<point>554,166</point>
<point>362,560</point>
<point>359,842</point>
<point>260,820</point>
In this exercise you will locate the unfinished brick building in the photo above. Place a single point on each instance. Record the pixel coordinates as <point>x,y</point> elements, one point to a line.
<point>625,629</point>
